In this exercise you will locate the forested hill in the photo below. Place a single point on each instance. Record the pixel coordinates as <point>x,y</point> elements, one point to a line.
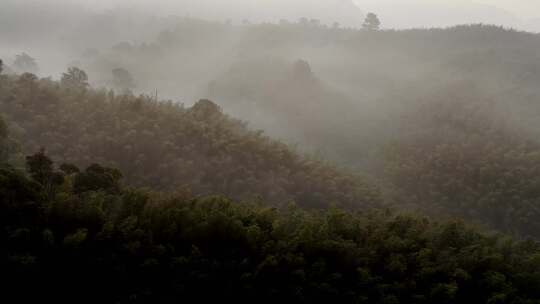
<point>165,146</point>
<point>364,79</point>
<point>76,235</point>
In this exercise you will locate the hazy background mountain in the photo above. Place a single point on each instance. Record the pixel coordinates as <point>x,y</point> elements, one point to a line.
<point>57,37</point>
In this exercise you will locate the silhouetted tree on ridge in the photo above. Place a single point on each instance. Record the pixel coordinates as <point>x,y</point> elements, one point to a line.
<point>371,23</point>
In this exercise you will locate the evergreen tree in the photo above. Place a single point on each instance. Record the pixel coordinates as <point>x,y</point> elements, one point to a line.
<point>371,23</point>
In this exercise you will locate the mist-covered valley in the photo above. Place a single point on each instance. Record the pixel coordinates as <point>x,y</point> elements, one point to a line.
<point>296,151</point>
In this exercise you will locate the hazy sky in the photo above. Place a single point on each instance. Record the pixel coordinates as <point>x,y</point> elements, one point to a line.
<point>524,8</point>
<point>523,14</point>
<point>396,13</point>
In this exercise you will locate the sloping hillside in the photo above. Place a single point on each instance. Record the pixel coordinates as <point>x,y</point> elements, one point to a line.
<point>166,146</point>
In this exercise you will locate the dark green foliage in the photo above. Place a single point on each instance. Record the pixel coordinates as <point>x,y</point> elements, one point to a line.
<point>137,247</point>
<point>96,178</point>
<point>3,141</point>
<point>168,147</point>
<point>40,167</point>
<point>20,199</point>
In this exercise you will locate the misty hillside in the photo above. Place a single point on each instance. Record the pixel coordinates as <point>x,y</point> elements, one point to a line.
<point>166,146</point>
<point>290,100</point>
<point>454,158</point>
<point>374,74</point>
<point>374,103</point>
<point>398,104</point>
<point>457,157</point>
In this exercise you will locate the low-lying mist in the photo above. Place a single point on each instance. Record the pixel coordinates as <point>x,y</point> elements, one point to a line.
<point>331,89</point>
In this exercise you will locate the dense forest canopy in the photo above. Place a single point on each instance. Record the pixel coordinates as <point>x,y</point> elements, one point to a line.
<point>81,230</point>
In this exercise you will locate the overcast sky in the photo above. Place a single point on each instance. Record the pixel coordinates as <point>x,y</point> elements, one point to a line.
<point>524,14</point>
<point>526,8</point>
